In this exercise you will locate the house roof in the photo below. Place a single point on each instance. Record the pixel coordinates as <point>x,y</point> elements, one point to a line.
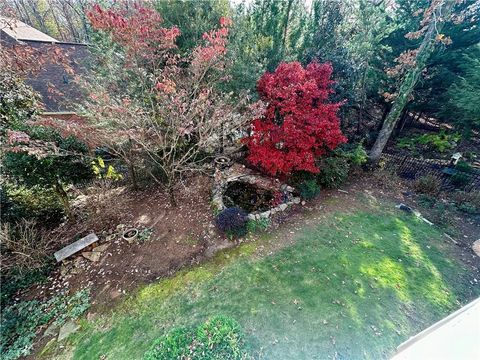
<point>21,31</point>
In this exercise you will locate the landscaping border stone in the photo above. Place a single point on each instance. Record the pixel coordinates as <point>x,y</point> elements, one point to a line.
<point>241,173</point>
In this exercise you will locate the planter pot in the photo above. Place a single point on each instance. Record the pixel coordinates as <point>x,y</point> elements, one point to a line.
<point>130,235</point>
<point>222,162</point>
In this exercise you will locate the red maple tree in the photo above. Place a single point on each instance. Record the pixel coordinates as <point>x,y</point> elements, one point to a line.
<point>299,123</point>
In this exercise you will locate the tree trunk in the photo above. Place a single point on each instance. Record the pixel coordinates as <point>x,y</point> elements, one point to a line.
<point>401,122</point>
<point>410,80</point>
<point>405,119</point>
<point>171,193</point>
<point>285,24</point>
<point>132,171</point>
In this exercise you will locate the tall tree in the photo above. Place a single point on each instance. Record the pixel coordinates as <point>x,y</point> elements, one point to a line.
<point>414,62</point>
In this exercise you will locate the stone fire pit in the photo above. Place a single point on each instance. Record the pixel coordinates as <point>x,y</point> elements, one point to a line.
<point>258,195</point>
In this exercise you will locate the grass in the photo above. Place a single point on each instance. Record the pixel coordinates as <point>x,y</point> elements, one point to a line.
<point>354,286</point>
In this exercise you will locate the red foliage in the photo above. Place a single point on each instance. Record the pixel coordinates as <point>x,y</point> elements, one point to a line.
<point>139,32</point>
<point>299,123</point>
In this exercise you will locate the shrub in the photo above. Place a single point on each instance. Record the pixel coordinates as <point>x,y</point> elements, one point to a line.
<point>439,142</point>
<point>36,203</point>
<point>468,202</point>
<point>356,155</point>
<point>42,166</point>
<point>299,177</point>
<point>232,221</point>
<point>258,225</point>
<point>18,102</point>
<point>429,185</point>
<point>461,178</point>
<point>219,338</point>
<point>308,189</point>
<point>299,124</point>
<point>334,172</point>
<point>426,201</point>
<point>463,166</point>
<point>25,246</point>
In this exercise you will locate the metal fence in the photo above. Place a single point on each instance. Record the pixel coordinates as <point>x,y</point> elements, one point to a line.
<point>450,178</point>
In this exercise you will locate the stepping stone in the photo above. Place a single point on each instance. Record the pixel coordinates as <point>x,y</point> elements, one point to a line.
<point>101,248</point>
<point>476,247</point>
<point>92,256</point>
<point>51,330</point>
<point>67,329</point>
<point>75,247</point>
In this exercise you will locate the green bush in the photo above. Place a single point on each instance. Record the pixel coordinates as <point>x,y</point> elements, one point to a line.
<point>333,171</point>
<point>461,178</point>
<point>426,201</point>
<point>18,103</point>
<point>468,202</point>
<point>299,177</point>
<point>356,155</point>
<point>20,322</point>
<point>258,225</point>
<point>20,202</point>
<point>308,189</point>
<point>427,185</point>
<point>219,338</point>
<point>439,142</point>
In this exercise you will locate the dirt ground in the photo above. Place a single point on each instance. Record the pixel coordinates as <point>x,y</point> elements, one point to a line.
<point>179,237</point>
<point>185,235</point>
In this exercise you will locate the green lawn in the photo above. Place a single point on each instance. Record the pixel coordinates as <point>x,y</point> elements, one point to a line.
<point>353,286</point>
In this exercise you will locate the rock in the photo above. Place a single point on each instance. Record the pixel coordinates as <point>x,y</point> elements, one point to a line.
<point>101,248</point>
<point>296,200</point>
<point>303,203</point>
<point>67,329</point>
<point>110,237</point>
<point>251,216</point>
<point>115,293</point>
<point>476,247</point>
<point>51,330</point>
<point>289,189</point>
<point>283,207</point>
<point>92,256</point>
<point>78,262</point>
<point>405,208</point>
<point>265,214</point>
<point>64,270</point>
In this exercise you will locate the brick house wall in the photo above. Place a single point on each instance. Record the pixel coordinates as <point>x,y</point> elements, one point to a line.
<point>65,95</point>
